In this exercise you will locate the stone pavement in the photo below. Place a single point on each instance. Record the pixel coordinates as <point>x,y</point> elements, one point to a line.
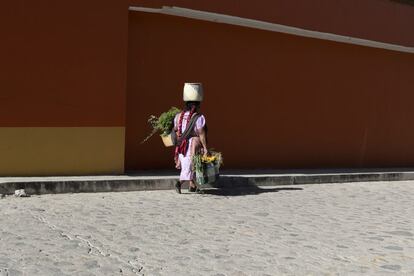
<point>336,229</point>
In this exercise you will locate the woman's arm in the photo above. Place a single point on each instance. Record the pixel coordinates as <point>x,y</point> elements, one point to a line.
<point>203,140</point>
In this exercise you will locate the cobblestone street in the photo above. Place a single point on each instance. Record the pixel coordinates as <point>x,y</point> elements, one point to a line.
<point>331,229</point>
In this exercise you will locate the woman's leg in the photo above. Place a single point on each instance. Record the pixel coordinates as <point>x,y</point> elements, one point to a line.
<point>186,171</point>
<point>192,184</point>
<point>195,146</point>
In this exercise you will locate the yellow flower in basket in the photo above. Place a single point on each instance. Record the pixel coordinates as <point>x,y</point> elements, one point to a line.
<point>208,159</point>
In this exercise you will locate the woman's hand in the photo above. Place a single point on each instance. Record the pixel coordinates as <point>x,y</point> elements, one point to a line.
<point>205,152</point>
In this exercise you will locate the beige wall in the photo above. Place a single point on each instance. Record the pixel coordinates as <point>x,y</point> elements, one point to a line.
<point>61,150</point>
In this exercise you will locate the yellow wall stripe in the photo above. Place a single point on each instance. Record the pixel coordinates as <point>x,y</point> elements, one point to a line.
<point>61,150</point>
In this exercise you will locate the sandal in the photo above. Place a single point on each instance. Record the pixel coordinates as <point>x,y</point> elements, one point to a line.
<point>178,187</point>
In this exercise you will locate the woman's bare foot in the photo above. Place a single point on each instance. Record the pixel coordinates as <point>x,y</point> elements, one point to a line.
<point>192,187</point>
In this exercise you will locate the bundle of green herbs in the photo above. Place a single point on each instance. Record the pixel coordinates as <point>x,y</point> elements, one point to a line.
<point>162,124</point>
<point>198,163</point>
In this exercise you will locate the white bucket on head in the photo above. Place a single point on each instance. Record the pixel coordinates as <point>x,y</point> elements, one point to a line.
<point>193,92</point>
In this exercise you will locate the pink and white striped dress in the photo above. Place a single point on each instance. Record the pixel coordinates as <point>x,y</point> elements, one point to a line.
<point>185,160</point>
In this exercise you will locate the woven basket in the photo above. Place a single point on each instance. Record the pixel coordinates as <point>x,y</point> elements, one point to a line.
<point>167,140</point>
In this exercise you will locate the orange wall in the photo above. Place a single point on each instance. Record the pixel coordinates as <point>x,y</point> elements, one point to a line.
<point>62,87</point>
<point>381,20</point>
<point>63,63</point>
<point>271,100</point>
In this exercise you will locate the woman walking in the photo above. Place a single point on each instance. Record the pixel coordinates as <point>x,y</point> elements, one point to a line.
<point>190,127</point>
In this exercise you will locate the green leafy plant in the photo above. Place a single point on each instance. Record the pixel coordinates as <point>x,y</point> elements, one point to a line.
<point>162,124</point>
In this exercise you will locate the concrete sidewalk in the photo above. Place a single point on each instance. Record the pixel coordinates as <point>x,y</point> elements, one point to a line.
<point>164,180</point>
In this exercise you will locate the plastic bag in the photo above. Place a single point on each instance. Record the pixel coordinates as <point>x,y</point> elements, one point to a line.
<point>208,175</point>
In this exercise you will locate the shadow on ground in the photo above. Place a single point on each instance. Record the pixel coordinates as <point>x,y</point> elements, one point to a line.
<point>245,191</point>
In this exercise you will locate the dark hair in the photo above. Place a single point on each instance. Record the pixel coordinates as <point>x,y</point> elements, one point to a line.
<point>191,105</point>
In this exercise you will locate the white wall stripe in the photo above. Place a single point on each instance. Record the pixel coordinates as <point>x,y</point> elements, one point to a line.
<point>262,25</point>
